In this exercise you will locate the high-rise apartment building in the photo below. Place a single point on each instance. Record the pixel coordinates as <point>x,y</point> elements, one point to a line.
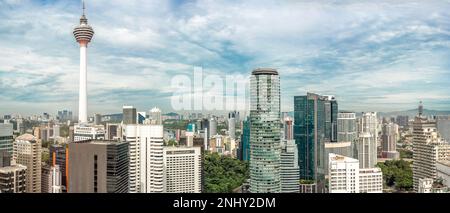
<point>13,178</point>
<point>389,137</point>
<point>6,137</point>
<point>146,157</point>
<point>27,151</point>
<point>182,169</point>
<point>51,179</point>
<point>98,166</point>
<point>290,174</point>
<point>129,115</point>
<point>366,146</point>
<point>265,131</point>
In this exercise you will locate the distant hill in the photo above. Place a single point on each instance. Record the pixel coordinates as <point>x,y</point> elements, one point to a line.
<point>413,112</point>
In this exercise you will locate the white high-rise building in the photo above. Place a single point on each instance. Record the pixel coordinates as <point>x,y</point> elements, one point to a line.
<point>182,169</point>
<point>389,138</point>
<point>83,34</point>
<point>156,116</point>
<point>345,176</point>
<point>212,127</point>
<point>86,131</point>
<point>146,157</point>
<point>27,151</point>
<point>366,146</point>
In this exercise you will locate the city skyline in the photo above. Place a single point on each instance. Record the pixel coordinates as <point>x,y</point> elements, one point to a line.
<point>383,67</point>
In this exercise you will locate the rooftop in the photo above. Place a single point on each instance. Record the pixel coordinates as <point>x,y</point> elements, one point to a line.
<point>265,71</point>
<point>26,137</point>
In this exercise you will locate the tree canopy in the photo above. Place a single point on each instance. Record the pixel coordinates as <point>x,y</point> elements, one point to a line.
<point>224,173</point>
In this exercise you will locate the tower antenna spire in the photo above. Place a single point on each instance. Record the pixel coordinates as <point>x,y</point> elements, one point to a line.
<point>84,8</point>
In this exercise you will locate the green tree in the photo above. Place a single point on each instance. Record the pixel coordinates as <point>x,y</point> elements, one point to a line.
<point>223,173</point>
<point>397,174</point>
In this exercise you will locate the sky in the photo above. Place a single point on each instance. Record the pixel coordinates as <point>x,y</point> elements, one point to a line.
<point>372,55</point>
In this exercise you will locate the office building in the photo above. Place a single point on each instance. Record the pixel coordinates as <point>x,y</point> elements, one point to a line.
<point>339,148</point>
<point>13,178</point>
<point>245,140</point>
<point>58,156</point>
<point>288,128</point>
<point>343,174</point>
<point>129,115</point>
<point>366,145</point>
<point>140,117</point>
<point>265,131</point>
<point>331,111</point>
<point>83,34</point>
<point>156,116</point>
<point>98,166</point>
<point>65,115</point>
<point>370,180</point>
<point>443,171</point>
<point>346,127</point>
<point>232,124</point>
<point>182,169</point>
<point>97,119</point>
<point>113,131</point>
<point>51,179</point>
<point>146,151</point>
<point>389,137</point>
<point>346,176</point>
<point>402,121</point>
<point>6,137</point>
<point>290,174</point>
<point>212,127</point>
<point>27,151</point>
<point>443,126</point>
<point>88,132</point>
<point>309,134</point>
<point>428,148</point>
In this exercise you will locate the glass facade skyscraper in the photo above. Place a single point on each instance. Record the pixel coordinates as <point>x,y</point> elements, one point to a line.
<point>245,140</point>
<point>309,134</point>
<point>265,131</point>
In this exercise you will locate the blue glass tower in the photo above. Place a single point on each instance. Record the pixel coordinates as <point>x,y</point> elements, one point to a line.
<point>245,140</point>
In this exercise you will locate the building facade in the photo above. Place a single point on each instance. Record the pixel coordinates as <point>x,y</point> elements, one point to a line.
<point>366,146</point>
<point>182,169</point>
<point>98,166</point>
<point>13,179</point>
<point>6,137</point>
<point>265,131</point>
<point>88,132</point>
<point>129,115</point>
<point>27,152</point>
<point>389,137</point>
<point>146,157</point>
<point>290,174</point>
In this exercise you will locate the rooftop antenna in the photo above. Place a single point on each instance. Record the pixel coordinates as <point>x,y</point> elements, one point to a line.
<point>83,7</point>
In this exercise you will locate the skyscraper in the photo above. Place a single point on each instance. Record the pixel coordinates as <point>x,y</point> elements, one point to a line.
<point>309,134</point>
<point>59,155</point>
<point>155,112</point>
<point>245,140</point>
<point>428,148</point>
<point>146,153</point>
<point>6,138</point>
<point>83,34</point>
<point>331,111</point>
<point>389,136</point>
<point>443,126</point>
<point>98,167</point>
<point>346,127</point>
<point>212,127</point>
<point>232,124</point>
<point>288,128</point>
<point>141,116</point>
<point>265,131</point>
<point>27,151</point>
<point>182,169</point>
<point>97,119</point>
<point>129,115</point>
<point>366,146</point>
<point>290,174</point>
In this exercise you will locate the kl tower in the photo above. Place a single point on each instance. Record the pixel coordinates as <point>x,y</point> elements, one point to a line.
<point>83,34</point>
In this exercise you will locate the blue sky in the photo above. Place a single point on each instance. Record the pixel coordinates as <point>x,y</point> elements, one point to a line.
<point>382,56</point>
